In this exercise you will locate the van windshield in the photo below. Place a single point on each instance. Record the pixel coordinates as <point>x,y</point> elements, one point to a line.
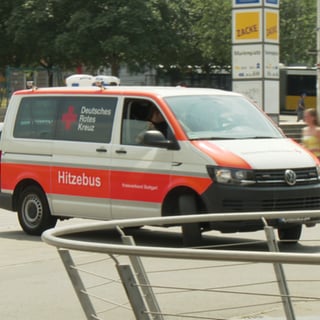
<point>221,117</point>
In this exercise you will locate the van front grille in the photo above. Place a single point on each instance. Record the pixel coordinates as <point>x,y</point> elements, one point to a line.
<point>277,177</point>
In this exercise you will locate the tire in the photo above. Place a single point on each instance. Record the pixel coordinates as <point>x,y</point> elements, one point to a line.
<point>191,232</point>
<point>33,211</point>
<point>291,234</point>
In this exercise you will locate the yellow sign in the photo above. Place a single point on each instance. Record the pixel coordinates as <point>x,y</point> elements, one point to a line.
<point>272,26</point>
<point>247,26</point>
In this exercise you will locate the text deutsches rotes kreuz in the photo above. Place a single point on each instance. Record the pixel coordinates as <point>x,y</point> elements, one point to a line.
<point>88,117</point>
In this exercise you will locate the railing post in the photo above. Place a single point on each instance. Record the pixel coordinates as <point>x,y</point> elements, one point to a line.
<point>143,280</point>
<point>77,284</point>
<point>281,279</point>
<point>133,292</point>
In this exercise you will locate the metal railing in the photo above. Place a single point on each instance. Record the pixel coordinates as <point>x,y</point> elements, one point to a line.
<point>143,295</point>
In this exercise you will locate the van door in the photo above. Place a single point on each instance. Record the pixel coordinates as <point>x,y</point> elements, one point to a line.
<point>140,174</point>
<point>81,157</point>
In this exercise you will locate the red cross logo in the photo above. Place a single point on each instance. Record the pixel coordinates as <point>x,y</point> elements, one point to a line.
<point>69,118</point>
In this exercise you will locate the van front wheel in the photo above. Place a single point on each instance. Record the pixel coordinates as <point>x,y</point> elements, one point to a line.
<point>33,211</point>
<point>291,234</point>
<point>191,232</point>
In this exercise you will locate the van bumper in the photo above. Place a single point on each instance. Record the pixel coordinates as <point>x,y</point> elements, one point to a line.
<point>6,201</point>
<point>224,198</point>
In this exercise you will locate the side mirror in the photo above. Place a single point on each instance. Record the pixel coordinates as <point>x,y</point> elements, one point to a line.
<point>155,138</point>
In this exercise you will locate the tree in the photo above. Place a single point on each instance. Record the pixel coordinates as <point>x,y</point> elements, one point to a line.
<point>212,31</point>
<point>202,37</point>
<point>111,32</point>
<point>298,21</point>
<point>7,54</point>
<point>181,35</point>
<point>33,26</point>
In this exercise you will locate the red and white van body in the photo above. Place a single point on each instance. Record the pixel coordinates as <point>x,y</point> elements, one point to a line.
<point>76,145</point>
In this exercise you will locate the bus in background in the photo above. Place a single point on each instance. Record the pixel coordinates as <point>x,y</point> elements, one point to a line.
<point>293,82</point>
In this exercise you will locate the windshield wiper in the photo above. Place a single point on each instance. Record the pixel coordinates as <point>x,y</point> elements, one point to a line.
<point>214,138</point>
<point>259,137</point>
<point>234,138</point>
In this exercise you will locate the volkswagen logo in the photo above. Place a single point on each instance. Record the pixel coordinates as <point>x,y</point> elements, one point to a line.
<point>290,177</point>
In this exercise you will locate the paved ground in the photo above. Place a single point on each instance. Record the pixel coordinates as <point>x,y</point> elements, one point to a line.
<point>33,282</point>
<point>288,118</point>
<point>35,286</point>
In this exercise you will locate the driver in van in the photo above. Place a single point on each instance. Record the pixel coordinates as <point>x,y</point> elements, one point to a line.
<point>156,122</point>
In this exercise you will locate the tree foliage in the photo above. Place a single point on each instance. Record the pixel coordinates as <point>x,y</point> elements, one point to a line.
<point>7,52</point>
<point>298,21</point>
<point>108,33</point>
<point>33,26</point>
<point>139,33</point>
<point>212,31</point>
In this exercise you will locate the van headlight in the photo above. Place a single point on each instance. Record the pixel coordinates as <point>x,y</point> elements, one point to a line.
<point>231,175</point>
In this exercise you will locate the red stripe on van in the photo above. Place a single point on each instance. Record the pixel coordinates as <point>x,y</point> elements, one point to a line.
<point>135,186</point>
<point>58,180</point>
<point>221,157</point>
<point>151,187</point>
<point>81,182</point>
<point>13,173</point>
<point>0,168</point>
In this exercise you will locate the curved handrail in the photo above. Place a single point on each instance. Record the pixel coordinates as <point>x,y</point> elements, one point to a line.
<point>55,237</point>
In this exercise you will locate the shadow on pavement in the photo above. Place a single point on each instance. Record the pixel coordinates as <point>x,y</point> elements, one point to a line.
<point>18,235</point>
<point>161,237</point>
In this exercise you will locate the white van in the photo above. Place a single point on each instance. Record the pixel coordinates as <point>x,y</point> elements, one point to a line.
<point>126,152</point>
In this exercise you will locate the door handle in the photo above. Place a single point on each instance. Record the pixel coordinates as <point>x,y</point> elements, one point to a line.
<point>101,149</point>
<point>121,151</point>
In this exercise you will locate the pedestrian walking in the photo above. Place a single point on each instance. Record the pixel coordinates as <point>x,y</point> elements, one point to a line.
<point>301,107</point>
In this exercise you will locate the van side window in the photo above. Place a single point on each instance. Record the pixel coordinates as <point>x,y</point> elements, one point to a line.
<point>88,119</point>
<point>36,118</point>
<point>135,120</point>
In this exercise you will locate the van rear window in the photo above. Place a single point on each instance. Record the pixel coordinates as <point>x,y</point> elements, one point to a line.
<point>87,119</point>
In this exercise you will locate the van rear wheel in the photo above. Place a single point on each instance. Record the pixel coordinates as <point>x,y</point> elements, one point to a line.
<point>191,232</point>
<point>33,211</point>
